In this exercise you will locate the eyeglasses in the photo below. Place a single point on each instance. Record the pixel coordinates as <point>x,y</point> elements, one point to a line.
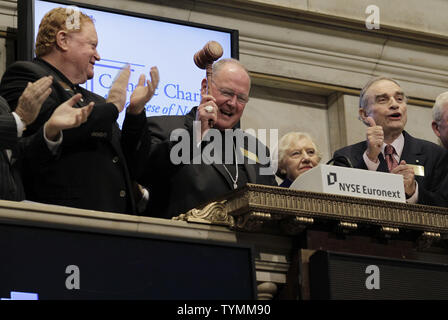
<point>228,93</point>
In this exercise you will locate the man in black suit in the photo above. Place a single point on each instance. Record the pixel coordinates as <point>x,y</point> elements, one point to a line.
<point>189,160</point>
<point>423,164</point>
<point>15,150</point>
<point>90,172</point>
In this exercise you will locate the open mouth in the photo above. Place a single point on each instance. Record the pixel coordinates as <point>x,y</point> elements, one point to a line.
<point>228,114</point>
<point>395,116</point>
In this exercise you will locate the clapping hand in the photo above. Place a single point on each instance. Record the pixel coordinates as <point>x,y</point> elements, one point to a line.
<point>67,117</point>
<point>142,94</point>
<point>32,98</point>
<point>118,91</point>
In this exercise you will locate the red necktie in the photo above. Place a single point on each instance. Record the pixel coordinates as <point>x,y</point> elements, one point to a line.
<point>391,161</point>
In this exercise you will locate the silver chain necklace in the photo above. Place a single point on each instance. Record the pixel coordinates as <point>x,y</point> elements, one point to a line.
<point>235,185</point>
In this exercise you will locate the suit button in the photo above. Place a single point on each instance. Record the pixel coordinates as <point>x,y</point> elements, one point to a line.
<point>122,193</point>
<point>115,159</point>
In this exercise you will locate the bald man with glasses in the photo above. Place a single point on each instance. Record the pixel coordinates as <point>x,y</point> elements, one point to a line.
<point>179,178</point>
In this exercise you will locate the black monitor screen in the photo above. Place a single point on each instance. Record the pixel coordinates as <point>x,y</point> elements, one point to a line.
<point>41,263</point>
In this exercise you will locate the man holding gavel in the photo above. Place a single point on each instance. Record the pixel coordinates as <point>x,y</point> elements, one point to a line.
<point>155,145</point>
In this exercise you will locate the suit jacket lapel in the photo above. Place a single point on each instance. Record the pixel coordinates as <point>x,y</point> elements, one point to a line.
<point>251,169</point>
<point>383,164</point>
<point>412,152</point>
<point>218,166</point>
<point>58,80</point>
<point>4,156</point>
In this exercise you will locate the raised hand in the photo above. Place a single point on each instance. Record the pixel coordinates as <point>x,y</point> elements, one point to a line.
<point>207,113</point>
<point>67,117</point>
<point>142,94</point>
<point>32,98</point>
<point>118,91</point>
<point>408,177</point>
<point>375,139</point>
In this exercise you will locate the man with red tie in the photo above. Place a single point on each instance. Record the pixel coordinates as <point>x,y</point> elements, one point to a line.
<point>388,148</point>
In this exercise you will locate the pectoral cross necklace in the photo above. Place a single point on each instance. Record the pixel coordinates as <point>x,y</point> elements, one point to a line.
<point>235,184</point>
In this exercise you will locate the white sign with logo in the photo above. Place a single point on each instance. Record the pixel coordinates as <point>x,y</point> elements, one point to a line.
<point>352,182</point>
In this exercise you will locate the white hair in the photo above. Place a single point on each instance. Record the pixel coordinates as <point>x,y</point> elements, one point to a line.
<point>437,109</point>
<point>285,143</point>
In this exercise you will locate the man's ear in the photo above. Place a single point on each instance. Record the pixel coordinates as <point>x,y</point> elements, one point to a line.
<point>61,40</point>
<point>363,116</point>
<point>435,128</point>
<point>204,87</point>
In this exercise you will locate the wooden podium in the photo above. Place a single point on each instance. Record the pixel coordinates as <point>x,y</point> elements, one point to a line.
<point>282,228</point>
<point>341,224</point>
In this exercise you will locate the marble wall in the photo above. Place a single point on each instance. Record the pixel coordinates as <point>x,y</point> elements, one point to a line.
<point>413,15</point>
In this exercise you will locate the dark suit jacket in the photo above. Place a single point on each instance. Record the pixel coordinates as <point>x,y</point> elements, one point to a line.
<point>10,183</point>
<point>433,188</point>
<point>11,187</point>
<point>175,189</point>
<point>90,171</point>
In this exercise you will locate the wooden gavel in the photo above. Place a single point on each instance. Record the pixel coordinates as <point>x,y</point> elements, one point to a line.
<point>204,59</point>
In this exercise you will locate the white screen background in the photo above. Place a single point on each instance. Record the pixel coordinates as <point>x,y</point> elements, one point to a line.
<point>144,43</point>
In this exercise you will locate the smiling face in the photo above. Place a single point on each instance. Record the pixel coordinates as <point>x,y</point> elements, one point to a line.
<point>386,104</point>
<point>81,53</point>
<point>299,157</point>
<point>230,87</point>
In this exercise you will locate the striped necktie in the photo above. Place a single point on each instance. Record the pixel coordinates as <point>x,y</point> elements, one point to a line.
<point>391,161</point>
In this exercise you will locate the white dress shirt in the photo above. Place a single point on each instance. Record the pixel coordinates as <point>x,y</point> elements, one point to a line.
<point>52,145</point>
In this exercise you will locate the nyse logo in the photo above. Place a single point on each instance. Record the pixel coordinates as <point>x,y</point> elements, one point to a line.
<point>331,178</point>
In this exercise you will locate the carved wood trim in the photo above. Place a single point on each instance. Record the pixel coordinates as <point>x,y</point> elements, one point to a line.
<point>251,207</point>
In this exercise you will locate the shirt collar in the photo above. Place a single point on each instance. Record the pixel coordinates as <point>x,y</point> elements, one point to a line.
<point>57,73</point>
<point>398,145</point>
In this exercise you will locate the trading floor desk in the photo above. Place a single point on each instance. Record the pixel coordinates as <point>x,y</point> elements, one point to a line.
<point>257,242</point>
